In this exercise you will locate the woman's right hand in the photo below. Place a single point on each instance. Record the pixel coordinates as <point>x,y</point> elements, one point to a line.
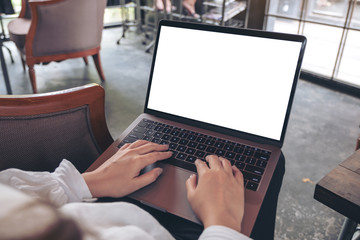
<point>217,198</point>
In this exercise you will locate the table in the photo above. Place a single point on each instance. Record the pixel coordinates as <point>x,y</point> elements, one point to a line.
<point>340,190</point>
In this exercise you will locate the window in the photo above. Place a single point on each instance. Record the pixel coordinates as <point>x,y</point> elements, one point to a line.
<point>332,28</point>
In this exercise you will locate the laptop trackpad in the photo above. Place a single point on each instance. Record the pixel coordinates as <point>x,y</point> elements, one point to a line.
<point>168,192</point>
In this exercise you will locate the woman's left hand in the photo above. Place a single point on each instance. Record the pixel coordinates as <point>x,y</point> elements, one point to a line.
<point>120,174</point>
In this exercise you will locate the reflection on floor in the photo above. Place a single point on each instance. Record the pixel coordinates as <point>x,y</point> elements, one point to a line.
<point>321,133</point>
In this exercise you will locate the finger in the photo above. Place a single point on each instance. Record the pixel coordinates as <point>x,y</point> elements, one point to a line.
<point>138,143</point>
<point>226,164</point>
<point>153,157</point>
<point>201,167</point>
<point>213,161</point>
<point>147,178</point>
<point>151,147</point>
<point>191,185</point>
<point>238,175</point>
<point>125,146</point>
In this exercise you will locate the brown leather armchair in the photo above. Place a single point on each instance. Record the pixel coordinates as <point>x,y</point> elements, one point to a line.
<point>37,131</point>
<point>55,30</point>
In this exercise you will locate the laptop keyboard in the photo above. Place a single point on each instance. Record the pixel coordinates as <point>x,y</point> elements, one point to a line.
<point>187,146</point>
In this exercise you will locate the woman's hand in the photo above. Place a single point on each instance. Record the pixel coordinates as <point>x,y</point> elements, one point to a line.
<point>120,174</point>
<point>218,197</point>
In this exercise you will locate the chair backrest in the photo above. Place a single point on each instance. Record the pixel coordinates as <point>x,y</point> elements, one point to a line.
<point>25,10</point>
<point>65,26</point>
<point>37,131</point>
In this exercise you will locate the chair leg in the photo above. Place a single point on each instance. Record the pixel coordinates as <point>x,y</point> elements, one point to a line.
<point>97,61</point>
<point>32,78</point>
<point>86,61</point>
<point>22,59</point>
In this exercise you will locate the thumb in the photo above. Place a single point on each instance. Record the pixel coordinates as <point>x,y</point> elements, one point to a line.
<point>191,185</point>
<point>148,177</point>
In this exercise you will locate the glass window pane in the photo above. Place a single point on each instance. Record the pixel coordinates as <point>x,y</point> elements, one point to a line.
<point>282,25</point>
<point>286,8</point>
<point>349,67</point>
<point>327,11</point>
<point>355,21</point>
<point>118,14</point>
<point>322,47</point>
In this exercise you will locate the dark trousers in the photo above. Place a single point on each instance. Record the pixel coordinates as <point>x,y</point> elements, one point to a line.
<point>264,227</point>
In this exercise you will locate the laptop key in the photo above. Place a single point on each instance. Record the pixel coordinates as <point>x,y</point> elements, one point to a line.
<point>240,158</point>
<point>240,165</point>
<point>140,129</point>
<point>248,152</point>
<point>142,124</point>
<point>129,139</point>
<point>220,152</point>
<point>251,177</point>
<point>184,136</point>
<point>147,120</point>
<point>155,140</point>
<point>261,163</point>
<point>191,159</point>
<point>250,160</point>
<point>147,138</point>
<point>238,149</point>
<point>175,139</point>
<point>174,132</point>
<point>150,126</point>
<point>158,128</point>
<point>210,149</point>
<point>229,147</point>
<point>262,156</point>
<point>190,151</point>
<point>191,137</point>
<point>253,169</point>
<point>252,186</point>
<point>209,142</point>
<point>183,142</point>
<point>166,137</point>
<point>219,144</point>
<point>158,135</point>
<point>172,146</point>
<point>192,144</point>
<point>181,148</point>
<point>230,155</point>
<point>150,132</point>
<point>200,154</point>
<point>201,146</point>
<point>181,156</point>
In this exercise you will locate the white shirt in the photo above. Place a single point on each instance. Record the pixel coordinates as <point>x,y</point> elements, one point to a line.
<point>65,188</point>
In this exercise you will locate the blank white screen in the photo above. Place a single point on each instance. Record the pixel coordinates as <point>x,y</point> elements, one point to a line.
<point>234,81</point>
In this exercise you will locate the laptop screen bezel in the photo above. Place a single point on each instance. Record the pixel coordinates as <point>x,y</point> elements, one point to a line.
<point>257,33</point>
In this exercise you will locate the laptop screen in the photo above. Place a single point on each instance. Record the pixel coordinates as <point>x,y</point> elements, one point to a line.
<point>235,81</point>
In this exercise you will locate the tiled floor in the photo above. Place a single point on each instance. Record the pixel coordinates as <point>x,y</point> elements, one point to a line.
<point>321,133</point>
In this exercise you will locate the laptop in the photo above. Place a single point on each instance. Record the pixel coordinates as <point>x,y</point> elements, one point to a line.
<point>217,90</point>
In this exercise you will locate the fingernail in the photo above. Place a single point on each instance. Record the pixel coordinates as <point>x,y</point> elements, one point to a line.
<point>160,171</point>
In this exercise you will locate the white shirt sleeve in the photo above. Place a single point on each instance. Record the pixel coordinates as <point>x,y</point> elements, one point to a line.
<point>222,232</point>
<point>66,185</point>
<point>62,186</point>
